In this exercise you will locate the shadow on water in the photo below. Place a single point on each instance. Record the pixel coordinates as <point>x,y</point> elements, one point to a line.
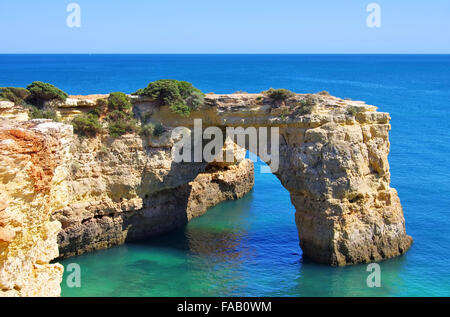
<point>247,247</point>
<point>224,239</point>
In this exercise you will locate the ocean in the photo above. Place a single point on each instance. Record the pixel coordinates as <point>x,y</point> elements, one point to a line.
<point>250,247</point>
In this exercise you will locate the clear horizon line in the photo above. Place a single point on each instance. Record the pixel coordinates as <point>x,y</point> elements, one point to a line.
<point>43,53</point>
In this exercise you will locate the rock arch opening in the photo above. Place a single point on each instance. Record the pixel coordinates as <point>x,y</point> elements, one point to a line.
<point>332,161</point>
<point>334,165</point>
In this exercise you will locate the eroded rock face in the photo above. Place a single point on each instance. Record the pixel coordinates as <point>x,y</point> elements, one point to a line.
<point>338,178</point>
<point>8,110</point>
<point>158,200</point>
<point>129,188</point>
<point>333,161</point>
<point>33,170</point>
<point>103,191</point>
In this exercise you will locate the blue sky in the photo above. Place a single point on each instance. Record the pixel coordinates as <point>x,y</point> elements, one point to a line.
<point>210,26</point>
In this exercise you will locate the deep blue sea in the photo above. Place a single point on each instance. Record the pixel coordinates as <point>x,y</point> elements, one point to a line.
<point>250,247</point>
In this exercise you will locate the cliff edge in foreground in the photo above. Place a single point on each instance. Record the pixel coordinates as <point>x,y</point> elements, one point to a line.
<point>34,160</point>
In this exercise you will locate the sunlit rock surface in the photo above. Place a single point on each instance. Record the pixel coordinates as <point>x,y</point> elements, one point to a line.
<point>104,191</point>
<point>129,188</point>
<point>34,160</point>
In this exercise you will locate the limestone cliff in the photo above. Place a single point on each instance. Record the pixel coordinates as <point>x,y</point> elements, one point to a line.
<point>105,191</point>
<point>129,188</point>
<point>8,110</point>
<point>333,161</point>
<point>33,171</point>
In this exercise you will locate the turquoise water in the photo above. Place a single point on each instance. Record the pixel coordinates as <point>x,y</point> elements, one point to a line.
<point>250,247</point>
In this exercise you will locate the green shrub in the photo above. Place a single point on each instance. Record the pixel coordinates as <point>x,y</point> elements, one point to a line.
<point>323,93</point>
<point>102,103</point>
<point>185,88</point>
<point>181,96</point>
<point>96,112</point>
<point>36,113</point>
<point>117,115</point>
<point>20,92</point>
<point>86,125</point>
<point>307,104</point>
<point>119,101</point>
<point>139,92</point>
<point>307,101</point>
<point>120,118</point>
<point>192,97</point>
<point>164,91</point>
<point>41,92</point>
<point>101,107</point>
<point>6,94</point>
<point>119,128</point>
<point>14,94</point>
<point>181,109</point>
<point>285,113</point>
<point>147,130</point>
<point>279,94</point>
<point>120,123</point>
<point>195,100</point>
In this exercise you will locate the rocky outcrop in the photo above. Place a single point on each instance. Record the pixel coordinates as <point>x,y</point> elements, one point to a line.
<point>105,191</point>
<point>333,161</point>
<point>333,157</point>
<point>146,208</point>
<point>129,188</point>
<point>33,171</point>
<point>8,110</point>
<point>84,194</point>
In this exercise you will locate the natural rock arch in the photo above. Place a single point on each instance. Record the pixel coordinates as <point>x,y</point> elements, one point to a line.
<point>333,162</point>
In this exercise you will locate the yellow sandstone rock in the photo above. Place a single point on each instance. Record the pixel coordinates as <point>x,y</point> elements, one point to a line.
<point>32,171</point>
<point>333,160</point>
